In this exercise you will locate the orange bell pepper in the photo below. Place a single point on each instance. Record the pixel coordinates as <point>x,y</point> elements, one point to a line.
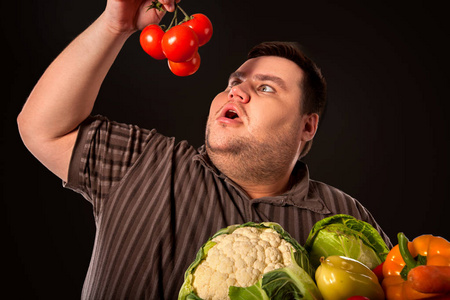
<point>423,250</point>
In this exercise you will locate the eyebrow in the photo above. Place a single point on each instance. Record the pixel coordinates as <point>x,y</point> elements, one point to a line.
<point>261,77</point>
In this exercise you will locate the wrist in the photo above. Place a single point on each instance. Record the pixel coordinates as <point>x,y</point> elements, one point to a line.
<point>113,29</point>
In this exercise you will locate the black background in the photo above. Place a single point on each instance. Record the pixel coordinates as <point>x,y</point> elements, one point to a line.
<point>384,138</point>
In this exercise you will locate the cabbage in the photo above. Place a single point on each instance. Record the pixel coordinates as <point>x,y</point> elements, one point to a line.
<point>347,236</point>
<point>291,282</point>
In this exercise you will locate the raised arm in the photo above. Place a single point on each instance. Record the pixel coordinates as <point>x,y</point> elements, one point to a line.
<point>65,94</point>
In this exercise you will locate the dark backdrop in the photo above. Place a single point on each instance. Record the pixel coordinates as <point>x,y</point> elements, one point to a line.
<point>384,139</point>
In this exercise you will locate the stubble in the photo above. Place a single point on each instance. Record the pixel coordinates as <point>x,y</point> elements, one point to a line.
<point>253,160</point>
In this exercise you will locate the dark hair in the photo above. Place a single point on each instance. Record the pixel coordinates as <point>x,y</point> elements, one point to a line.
<point>314,86</point>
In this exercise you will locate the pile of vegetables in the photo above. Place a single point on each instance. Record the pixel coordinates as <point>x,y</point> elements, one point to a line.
<point>343,258</point>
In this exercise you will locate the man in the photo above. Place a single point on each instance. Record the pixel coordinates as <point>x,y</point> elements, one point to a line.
<point>156,202</point>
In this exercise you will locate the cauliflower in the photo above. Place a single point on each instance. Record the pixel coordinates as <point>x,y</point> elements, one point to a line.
<point>241,258</point>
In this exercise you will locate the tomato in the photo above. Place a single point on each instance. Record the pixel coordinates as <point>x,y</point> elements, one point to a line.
<point>185,68</point>
<point>202,27</point>
<point>150,40</point>
<point>379,272</point>
<point>180,43</point>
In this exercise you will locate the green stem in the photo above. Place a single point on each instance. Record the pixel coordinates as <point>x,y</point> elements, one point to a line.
<point>155,4</point>
<point>184,13</point>
<point>174,22</point>
<point>173,19</point>
<point>404,251</point>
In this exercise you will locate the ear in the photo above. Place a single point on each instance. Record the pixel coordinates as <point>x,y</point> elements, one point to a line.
<point>309,126</point>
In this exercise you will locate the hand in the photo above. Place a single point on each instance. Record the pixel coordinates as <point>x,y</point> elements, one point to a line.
<point>128,16</point>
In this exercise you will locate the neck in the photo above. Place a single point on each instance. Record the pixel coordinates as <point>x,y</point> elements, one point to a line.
<point>257,181</point>
<point>257,190</point>
<point>261,169</point>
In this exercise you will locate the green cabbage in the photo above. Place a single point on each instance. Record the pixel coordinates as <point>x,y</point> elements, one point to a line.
<point>292,282</point>
<point>346,236</point>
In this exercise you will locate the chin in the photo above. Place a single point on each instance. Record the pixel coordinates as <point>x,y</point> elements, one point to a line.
<point>215,142</point>
<point>219,147</point>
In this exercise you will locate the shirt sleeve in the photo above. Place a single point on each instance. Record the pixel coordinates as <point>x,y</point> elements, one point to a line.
<point>103,153</point>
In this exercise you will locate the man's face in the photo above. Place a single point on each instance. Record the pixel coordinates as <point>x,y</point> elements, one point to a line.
<point>258,113</point>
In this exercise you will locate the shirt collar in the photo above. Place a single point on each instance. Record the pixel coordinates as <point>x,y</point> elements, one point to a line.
<point>302,194</point>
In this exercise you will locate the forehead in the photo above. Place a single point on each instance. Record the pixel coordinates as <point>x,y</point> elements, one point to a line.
<point>281,67</point>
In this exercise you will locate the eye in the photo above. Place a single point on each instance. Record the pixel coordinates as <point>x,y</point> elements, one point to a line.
<point>233,82</point>
<point>266,88</point>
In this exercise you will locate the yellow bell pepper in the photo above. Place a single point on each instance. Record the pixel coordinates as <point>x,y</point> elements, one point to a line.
<point>423,250</point>
<point>340,277</point>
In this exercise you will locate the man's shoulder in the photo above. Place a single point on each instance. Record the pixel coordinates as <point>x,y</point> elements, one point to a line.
<point>335,199</point>
<point>310,189</point>
<point>326,188</point>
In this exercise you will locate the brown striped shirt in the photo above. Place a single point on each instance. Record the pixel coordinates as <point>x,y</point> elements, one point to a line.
<point>156,202</point>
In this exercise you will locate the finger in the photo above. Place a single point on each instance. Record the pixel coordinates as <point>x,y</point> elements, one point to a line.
<point>169,5</point>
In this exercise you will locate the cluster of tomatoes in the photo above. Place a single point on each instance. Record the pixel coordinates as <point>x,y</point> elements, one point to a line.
<point>179,44</point>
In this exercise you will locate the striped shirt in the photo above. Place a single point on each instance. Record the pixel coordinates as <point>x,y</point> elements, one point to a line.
<point>156,202</point>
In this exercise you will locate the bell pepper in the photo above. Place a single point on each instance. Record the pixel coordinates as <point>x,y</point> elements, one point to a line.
<point>423,250</point>
<point>340,277</point>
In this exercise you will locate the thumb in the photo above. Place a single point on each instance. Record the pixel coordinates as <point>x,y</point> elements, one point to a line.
<point>168,5</point>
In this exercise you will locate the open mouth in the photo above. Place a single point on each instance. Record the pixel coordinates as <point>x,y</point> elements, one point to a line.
<point>231,114</point>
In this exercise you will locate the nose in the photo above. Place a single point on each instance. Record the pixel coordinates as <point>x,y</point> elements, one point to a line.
<point>237,93</point>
